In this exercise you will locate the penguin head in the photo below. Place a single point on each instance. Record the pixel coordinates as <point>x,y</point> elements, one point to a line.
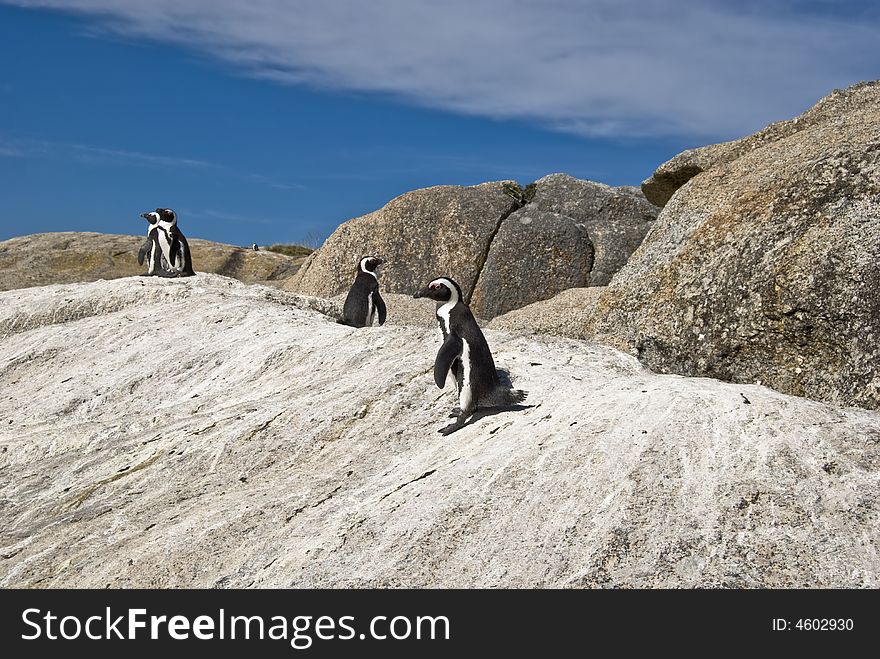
<point>167,216</point>
<point>151,216</point>
<point>442,289</point>
<point>369,264</point>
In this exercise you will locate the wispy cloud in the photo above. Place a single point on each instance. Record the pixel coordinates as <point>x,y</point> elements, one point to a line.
<point>95,153</point>
<point>23,148</point>
<point>607,67</point>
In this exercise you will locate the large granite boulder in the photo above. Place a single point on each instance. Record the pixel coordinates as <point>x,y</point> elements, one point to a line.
<point>67,257</point>
<point>286,450</point>
<point>534,255</point>
<point>674,173</point>
<point>506,246</point>
<point>764,267</point>
<point>616,219</point>
<point>443,230</point>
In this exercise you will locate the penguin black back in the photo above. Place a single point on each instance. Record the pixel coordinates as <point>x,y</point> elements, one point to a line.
<point>363,302</point>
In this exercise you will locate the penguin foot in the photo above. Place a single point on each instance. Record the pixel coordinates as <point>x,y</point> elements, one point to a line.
<point>456,412</point>
<point>451,428</point>
<point>459,423</point>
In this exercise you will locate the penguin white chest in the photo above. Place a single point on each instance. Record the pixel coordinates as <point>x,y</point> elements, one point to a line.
<point>465,395</point>
<point>370,311</point>
<point>443,316</point>
<point>165,245</point>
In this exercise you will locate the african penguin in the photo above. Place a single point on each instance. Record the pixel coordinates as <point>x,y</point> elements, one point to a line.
<point>151,250</point>
<point>255,247</point>
<point>172,243</point>
<point>363,301</point>
<point>466,355</point>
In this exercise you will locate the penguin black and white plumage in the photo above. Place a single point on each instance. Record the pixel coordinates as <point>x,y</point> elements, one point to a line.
<point>363,302</point>
<point>466,355</point>
<point>151,250</point>
<point>172,243</point>
<point>255,247</point>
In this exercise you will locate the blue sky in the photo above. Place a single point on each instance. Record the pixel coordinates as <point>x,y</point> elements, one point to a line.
<point>274,121</point>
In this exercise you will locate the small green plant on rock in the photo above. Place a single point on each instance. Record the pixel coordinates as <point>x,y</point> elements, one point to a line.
<point>290,250</point>
<point>521,195</point>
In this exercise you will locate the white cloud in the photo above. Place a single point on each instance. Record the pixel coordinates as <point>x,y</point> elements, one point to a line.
<point>708,69</point>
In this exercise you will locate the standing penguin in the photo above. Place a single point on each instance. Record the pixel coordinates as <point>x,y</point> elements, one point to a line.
<point>363,301</point>
<point>179,255</point>
<point>151,250</point>
<point>172,243</point>
<point>466,355</point>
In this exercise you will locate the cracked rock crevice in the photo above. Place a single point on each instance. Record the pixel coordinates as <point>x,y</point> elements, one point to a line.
<point>481,262</point>
<point>409,482</point>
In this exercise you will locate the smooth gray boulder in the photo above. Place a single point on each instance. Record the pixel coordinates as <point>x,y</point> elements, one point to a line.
<point>506,246</point>
<point>764,267</point>
<point>534,255</point>
<point>259,444</point>
<point>616,218</point>
<point>438,231</point>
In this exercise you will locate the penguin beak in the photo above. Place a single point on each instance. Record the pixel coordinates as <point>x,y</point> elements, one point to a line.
<point>425,292</point>
<point>379,261</point>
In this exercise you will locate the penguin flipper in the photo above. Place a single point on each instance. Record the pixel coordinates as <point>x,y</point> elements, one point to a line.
<point>448,353</point>
<point>142,254</point>
<point>379,305</point>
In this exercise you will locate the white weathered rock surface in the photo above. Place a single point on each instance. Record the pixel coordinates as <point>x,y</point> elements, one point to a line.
<point>569,313</point>
<point>201,432</point>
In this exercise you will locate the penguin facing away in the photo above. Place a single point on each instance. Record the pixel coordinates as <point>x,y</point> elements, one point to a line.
<point>363,302</point>
<point>466,355</point>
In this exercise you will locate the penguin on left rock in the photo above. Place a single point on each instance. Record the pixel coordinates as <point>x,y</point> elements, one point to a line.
<point>363,302</point>
<point>171,242</point>
<point>151,250</point>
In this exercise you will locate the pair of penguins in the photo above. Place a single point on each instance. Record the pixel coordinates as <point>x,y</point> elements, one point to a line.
<point>464,352</point>
<point>166,249</point>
